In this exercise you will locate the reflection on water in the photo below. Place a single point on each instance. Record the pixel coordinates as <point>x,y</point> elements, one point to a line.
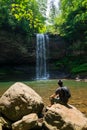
<point>17,73</point>
<point>26,73</point>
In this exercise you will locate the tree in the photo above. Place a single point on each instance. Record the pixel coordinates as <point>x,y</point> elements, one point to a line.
<point>42,6</point>
<point>53,12</point>
<point>23,15</point>
<point>71,23</point>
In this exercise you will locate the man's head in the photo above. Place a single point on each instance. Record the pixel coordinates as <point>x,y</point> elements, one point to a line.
<point>60,82</point>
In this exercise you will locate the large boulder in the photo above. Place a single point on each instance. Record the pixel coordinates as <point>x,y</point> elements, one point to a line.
<point>26,123</point>
<point>60,117</point>
<point>20,100</point>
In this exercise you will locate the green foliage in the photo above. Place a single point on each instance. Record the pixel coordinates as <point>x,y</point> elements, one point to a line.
<point>21,15</point>
<point>72,64</point>
<point>72,23</point>
<point>80,69</point>
<point>28,11</point>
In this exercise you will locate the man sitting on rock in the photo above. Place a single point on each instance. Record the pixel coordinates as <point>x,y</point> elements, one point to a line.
<point>61,95</point>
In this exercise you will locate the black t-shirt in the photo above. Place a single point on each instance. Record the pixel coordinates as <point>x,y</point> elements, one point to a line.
<point>64,93</point>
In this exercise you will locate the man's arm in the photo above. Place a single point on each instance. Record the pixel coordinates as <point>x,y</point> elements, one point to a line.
<point>54,95</point>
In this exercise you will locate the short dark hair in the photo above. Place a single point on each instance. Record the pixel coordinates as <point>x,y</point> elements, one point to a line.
<point>60,82</point>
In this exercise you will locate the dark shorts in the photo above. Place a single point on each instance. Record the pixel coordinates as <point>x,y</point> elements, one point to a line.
<point>57,100</point>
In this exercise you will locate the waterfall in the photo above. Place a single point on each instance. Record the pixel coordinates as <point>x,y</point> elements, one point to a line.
<point>41,56</point>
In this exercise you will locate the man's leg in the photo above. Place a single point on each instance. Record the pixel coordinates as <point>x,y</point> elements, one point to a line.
<point>54,100</point>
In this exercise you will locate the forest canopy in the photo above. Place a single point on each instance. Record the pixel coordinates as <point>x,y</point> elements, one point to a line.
<point>67,18</point>
<point>22,15</point>
<point>71,23</point>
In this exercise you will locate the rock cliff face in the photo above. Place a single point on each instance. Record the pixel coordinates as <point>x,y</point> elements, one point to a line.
<point>17,49</point>
<point>21,108</point>
<point>57,47</point>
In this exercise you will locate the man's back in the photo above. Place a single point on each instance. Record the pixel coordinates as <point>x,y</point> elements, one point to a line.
<point>64,94</point>
<point>61,95</point>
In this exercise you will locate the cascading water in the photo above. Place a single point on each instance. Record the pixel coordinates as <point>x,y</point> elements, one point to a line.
<point>41,56</point>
